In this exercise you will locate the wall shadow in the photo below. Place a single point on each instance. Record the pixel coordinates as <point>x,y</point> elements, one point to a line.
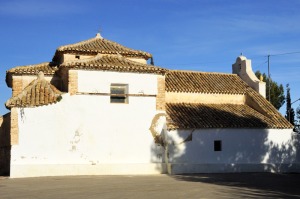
<point>5,146</point>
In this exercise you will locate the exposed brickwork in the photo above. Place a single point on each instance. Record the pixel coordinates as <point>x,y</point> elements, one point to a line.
<point>17,85</point>
<point>73,82</point>
<point>14,130</point>
<point>160,98</point>
<point>115,63</point>
<point>39,92</point>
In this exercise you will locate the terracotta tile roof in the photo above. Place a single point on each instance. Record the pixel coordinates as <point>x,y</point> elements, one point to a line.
<point>48,68</point>
<point>112,63</point>
<point>203,82</point>
<point>99,45</point>
<point>267,109</point>
<point>38,93</point>
<point>190,116</point>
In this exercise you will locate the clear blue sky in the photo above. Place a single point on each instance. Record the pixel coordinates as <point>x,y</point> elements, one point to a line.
<point>202,35</point>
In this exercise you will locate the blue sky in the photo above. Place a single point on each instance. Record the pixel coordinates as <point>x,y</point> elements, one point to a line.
<point>200,35</point>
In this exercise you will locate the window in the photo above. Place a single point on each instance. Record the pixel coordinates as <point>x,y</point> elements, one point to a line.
<point>118,93</point>
<point>218,145</point>
<point>77,57</point>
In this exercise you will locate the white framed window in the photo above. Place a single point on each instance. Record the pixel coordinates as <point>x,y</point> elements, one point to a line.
<point>118,93</point>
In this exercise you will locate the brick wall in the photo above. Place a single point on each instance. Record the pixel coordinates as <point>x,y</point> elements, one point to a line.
<point>14,130</point>
<point>160,98</point>
<point>17,85</point>
<point>5,145</point>
<point>73,82</point>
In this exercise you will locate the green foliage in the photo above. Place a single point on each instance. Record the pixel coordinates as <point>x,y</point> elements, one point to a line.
<point>297,125</point>
<point>290,113</point>
<point>298,113</point>
<point>277,91</point>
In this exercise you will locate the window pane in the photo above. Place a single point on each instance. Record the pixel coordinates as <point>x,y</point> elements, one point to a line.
<point>117,99</point>
<point>118,92</point>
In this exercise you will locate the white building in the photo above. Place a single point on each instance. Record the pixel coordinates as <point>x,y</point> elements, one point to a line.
<point>99,108</point>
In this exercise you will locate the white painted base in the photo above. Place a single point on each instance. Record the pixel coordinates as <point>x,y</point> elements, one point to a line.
<point>21,171</point>
<point>174,169</point>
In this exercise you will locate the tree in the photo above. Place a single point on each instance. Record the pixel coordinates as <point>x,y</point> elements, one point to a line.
<point>290,113</point>
<point>297,125</point>
<point>298,113</point>
<point>277,92</point>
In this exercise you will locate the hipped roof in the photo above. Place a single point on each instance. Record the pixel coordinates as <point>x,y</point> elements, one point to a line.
<point>48,68</point>
<point>100,45</point>
<point>38,93</point>
<point>112,63</point>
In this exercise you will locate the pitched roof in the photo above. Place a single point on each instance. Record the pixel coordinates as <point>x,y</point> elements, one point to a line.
<point>38,93</point>
<point>48,68</point>
<point>112,63</point>
<point>204,82</point>
<point>267,109</point>
<point>99,45</point>
<point>190,116</point>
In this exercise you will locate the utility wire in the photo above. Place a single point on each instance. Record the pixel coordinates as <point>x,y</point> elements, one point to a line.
<point>289,53</point>
<point>214,62</point>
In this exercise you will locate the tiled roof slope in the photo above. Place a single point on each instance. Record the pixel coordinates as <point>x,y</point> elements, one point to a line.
<point>267,109</point>
<point>99,45</point>
<point>112,63</point>
<point>38,93</point>
<point>48,68</point>
<point>204,82</point>
<point>191,116</point>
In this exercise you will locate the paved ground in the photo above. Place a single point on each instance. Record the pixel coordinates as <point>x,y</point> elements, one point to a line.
<point>247,185</point>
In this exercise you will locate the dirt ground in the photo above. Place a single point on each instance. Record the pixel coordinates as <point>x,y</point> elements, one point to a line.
<point>237,185</point>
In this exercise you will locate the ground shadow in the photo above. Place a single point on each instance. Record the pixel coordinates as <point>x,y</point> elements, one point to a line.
<point>257,185</point>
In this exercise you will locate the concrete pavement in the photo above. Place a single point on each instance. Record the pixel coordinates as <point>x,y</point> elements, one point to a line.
<point>247,185</point>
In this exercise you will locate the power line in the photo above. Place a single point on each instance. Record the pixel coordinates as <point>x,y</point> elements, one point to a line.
<point>279,54</point>
<point>269,74</point>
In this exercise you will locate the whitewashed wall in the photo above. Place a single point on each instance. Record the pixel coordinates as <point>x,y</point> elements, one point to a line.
<point>86,134</point>
<point>99,82</point>
<point>243,150</point>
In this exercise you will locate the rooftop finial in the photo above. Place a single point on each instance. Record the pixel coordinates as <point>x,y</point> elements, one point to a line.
<point>98,35</point>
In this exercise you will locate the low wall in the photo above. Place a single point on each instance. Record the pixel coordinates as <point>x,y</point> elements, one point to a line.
<point>38,170</point>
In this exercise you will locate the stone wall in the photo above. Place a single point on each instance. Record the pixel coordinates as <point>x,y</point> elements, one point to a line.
<point>73,82</point>
<point>14,129</point>
<point>19,82</point>
<point>160,98</point>
<point>5,145</point>
<point>205,98</point>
